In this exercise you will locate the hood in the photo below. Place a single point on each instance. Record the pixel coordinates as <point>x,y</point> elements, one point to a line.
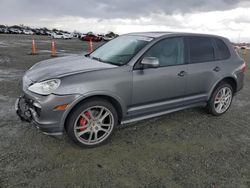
<point>58,67</point>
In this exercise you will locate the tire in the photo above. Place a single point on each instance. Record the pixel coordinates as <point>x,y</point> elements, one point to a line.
<point>219,101</point>
<point>92,123</point>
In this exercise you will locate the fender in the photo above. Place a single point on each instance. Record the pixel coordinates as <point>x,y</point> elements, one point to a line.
<point>230,76</point>
<point>93,94</point>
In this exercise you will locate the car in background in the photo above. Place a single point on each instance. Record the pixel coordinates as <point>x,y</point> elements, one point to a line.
<point>15,31</point>
<point>67,36</point>
<point>91,37</point>
<point>245,47</point>
<point>61,36</point>
<point>57,35</point>
<point>6,30</point>
<point>28,32</point>
<point>39,32</point>
<point>48,33</point>
<point>81,36</point>
<point>1,30</point>
<point>76,35</point>
<point>108,38</point>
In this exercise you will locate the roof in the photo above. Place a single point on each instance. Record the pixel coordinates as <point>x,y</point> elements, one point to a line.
<point>151,34</point>
<point>160,34</point>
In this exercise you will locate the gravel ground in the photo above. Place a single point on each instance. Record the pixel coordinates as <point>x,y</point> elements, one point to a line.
<point>185,149</point>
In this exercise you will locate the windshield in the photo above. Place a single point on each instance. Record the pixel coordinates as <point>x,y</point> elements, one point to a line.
<point>120,50</point>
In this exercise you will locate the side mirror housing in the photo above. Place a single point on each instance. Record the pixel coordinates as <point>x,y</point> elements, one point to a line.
<point>150,62</point>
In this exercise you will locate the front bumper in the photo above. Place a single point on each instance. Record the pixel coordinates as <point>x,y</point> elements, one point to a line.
<point>40,110</point>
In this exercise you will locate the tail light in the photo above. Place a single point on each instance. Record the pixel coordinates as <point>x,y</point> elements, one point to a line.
<point>244,67</point>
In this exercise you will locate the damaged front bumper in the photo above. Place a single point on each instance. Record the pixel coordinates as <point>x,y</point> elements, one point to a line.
<point>25,110</point>
<point>39,110</point>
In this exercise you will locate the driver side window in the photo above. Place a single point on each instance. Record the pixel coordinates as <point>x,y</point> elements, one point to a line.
<point>168,51</point>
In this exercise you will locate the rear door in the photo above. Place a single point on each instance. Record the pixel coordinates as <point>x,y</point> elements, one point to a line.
<point>203,69</point>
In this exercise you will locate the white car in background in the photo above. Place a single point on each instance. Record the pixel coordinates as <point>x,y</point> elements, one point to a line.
<point>108,38</point>
<point>61,36</point>
<point>57,35</point>
<point>28,32</point>
<point>67,36</point>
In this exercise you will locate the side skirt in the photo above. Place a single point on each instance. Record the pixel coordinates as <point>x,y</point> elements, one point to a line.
<point>162,113</point>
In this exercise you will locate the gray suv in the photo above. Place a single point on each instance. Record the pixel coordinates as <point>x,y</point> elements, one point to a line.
<point>133,77</point>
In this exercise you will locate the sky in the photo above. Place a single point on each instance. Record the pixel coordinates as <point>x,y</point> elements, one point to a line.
<point>229,18</point>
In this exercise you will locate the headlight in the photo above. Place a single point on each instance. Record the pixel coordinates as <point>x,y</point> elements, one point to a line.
<point>45,88</point>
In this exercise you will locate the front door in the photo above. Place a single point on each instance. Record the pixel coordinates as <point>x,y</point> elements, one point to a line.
<point>160,88</point>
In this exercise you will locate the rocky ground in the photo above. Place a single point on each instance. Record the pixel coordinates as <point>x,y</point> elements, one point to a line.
<point>183,149</point>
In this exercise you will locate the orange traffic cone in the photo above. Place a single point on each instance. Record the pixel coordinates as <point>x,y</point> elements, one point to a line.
<point>53,49</point>
<point>90,46</point>
<point>34,51</point>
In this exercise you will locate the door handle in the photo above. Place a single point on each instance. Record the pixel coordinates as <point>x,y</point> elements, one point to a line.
<point>216,69</point>
<point>182,73</point>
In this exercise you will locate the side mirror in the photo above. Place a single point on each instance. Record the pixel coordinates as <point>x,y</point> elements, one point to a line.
<point>150,62</point>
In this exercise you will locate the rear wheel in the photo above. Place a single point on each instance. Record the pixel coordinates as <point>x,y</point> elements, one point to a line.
<point>92,123</point>
<point>221,99</point>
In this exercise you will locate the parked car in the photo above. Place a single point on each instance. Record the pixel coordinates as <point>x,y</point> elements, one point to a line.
<point>28,32</point>
<point>244,47</point>
<point>67,36</point>
<point>76,35</point>
<point>92,37</point>
<point>6,30</point>
<point>15,31</point>
<point>49,33</point>
<point>57,35</point>
<point>81,36</point>
<point>133,77</point>
<point>39,32</point>
<point>61,36</point>
<point>108,38</point>
<point>1,30</point>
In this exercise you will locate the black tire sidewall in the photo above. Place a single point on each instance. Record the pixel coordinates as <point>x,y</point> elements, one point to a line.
<point>210,105</point>
<point>69,126</point>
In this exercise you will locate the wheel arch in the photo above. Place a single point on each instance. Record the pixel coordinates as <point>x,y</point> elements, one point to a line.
<point>113,100</point>
<point>230,80</point>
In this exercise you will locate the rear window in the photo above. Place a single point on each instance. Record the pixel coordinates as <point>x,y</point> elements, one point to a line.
<point>201,49</point>
<point>222,50</point>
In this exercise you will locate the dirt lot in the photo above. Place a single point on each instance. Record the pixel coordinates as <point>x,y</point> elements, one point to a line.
<point>184,149</point>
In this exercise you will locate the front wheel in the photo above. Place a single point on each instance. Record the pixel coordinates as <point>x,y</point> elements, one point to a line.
<point>221,99</point>
<point>92,123</point>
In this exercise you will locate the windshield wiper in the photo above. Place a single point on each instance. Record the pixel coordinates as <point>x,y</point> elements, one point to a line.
<point>103,61</point>
<point>95,58</point>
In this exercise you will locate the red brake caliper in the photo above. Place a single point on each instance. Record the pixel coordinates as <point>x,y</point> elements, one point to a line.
<point>83,122</point>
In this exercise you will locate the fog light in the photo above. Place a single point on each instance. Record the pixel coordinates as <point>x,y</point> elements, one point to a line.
<point>61,107</point>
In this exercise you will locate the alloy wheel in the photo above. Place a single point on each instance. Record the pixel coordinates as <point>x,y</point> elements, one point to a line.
<point>94,125</point>
<point>223,100</point>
